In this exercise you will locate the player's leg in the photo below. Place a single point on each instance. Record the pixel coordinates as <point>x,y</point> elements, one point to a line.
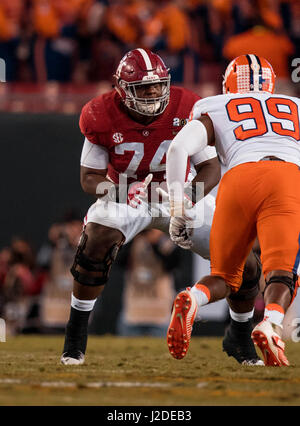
<point>104,234</point>
<point>237,341</point>
<point>280,290</point>
<point>243,301</point>
<point>231,239</point>
<point>267,335</point>
<point>278,228</point>
<point>96,252</point>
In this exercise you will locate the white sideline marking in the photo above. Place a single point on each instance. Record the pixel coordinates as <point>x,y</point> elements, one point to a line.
<point>201,385</point>
<point>94,385</point>
<point>10,381</point>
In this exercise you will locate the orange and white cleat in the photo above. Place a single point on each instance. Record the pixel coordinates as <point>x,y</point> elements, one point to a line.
<point>270,344</point>
<point>181,324</point>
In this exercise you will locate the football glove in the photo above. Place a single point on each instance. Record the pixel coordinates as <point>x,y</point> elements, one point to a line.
<point>138,191</point>
<point>179,229</point>
<point>180,232</point>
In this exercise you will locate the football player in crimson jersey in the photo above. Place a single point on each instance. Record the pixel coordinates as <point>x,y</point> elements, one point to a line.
<point>127,133</point>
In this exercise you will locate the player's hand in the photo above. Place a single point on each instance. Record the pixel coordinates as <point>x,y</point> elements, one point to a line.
<point>181,232</point>
<point>137,191</point>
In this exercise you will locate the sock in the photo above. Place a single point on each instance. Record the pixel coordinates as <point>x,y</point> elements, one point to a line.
<point>241,317</point>
<point>202,296</point>
<point>82,305</point>
<point>77,327</point>
<point>274,313</point>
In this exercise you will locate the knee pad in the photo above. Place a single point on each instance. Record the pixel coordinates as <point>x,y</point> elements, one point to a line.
<point>93,265</point>
<point>249,288</point>
<point>288,281</point>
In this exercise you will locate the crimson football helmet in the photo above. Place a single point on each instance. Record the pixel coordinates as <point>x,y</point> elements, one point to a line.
<point>249,73</point>
<point>140,67</point>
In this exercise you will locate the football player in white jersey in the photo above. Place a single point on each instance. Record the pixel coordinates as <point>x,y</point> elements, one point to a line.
<point>256,134</point>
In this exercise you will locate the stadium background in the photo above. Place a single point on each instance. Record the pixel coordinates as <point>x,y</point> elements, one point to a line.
<point>59,54</point>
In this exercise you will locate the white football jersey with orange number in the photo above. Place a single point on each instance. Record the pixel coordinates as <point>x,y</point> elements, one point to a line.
<point>251,126</point>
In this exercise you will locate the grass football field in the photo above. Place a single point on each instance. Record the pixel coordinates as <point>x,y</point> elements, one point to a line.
<point>140,372</point>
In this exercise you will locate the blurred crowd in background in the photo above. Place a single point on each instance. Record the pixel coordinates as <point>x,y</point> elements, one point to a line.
<point>80,42</point>
<point>30,276</point>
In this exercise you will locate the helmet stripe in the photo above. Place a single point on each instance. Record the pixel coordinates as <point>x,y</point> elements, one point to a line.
<point>251,71</point>
<point>260,81</point>
<point>149,66</point>
<point>255,67</point>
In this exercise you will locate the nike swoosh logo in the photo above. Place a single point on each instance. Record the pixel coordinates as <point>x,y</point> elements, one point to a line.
<point>181,319</point>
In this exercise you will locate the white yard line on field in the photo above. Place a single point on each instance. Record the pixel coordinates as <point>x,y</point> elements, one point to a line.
<point>62,384</point>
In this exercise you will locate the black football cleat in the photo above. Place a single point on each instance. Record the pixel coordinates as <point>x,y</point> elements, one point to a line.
<point>237,343</point>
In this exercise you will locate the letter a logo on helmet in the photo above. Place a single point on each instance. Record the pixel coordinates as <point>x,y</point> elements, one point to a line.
<point>140,67</point>
<point>249,73</point>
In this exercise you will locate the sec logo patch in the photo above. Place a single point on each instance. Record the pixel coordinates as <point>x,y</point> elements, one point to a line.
<point>118,137</point>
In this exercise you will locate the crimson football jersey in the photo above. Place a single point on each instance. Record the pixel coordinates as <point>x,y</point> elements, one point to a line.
<point>135,149</point>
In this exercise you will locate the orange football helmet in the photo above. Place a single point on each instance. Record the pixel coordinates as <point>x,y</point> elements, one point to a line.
<point>249,73</point>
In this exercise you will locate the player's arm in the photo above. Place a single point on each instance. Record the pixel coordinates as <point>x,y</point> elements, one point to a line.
<point>93,170</point>
<point>191,139</point>
<point>91,178</point>
<point>208,172</point>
